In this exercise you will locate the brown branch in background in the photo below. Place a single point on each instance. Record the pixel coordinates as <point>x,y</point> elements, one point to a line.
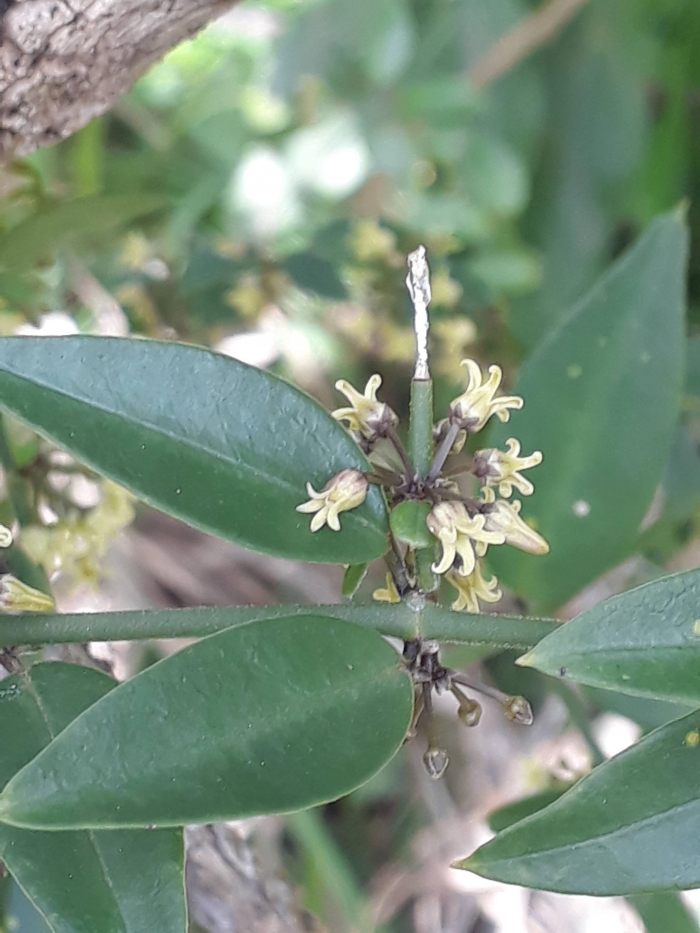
<point>64,62</point>
<point>524,39</point>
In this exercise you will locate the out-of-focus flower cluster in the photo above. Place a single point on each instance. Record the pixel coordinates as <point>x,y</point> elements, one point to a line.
<point>75,545</point>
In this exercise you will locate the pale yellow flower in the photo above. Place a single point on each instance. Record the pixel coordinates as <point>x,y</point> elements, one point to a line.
<point>16,596</point>
<point>459,534</point>
<point>473,588</point>
<point>503,469</point>
<point>504,518</point>
<point>5,536</point>
<point>366,414</point>
<point>474,407</point>
<point>388,593</point>
<point>345,491</point>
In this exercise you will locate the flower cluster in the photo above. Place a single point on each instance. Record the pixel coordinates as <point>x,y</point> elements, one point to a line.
<point>464,525</point>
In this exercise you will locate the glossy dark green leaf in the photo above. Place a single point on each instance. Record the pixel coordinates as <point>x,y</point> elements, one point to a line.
<point>645,642</point>
<point>352,578</point>
<point>408,522</point>
<point>82,882</point>
<point>491,632</point>
<point>514,812</point>
<point>601,402</point>
<point>270,717</point>
<point>219,444</point>
<point>664,912</point>
<point>628,827</point>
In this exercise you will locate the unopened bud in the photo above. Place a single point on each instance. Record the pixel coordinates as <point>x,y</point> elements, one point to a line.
<point>435,762</point>
<point>469,712</point>
<point>517,709</point>
<point>16,596</point>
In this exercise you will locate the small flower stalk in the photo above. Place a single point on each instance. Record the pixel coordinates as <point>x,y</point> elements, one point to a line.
<point>345,491</point>
<point>16,597</point>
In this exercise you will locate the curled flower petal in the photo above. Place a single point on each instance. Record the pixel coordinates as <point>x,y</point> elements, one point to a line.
<point>473,408</point>
<point>345,491</point>
<point>473,588</point>
<point>387,593</point>
<point>366,415</point>
<point>5,536</point>
<point>459,534</point>
<point>501,469</point>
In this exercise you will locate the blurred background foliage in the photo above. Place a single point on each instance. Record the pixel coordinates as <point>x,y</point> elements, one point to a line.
<point>258,190</point>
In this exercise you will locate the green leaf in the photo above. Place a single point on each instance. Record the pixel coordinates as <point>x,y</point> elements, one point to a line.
<point>629,827</point>
<point>601,402</point>
<point>271,717</point>
<point>125,881</point>
<point>664,912</point>
<point>32,240</point>
<point>219,444</point>
<point>352,578</point>
<point>315,275</point>
<point>645,642</point>
<point>408,522</point>
<point>514,812</point>
<point>479,631</point>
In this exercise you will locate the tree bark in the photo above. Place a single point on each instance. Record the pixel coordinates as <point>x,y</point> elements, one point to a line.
<point>64,62</point>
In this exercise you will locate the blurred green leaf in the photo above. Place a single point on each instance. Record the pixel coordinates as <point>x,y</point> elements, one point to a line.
<point>33,240</point>
<point>274,716</point>
<point>645,642</point>
<point>628,827</point>
<point>126,882</point>
<point>664,912</point>
<point>601,402</point>
<point>219,444</point>
<point>315,275</point>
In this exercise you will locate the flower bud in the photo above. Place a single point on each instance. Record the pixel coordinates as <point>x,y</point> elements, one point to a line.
<point>16,596</point>
<point>517,709</point>
<point>504,518</point>
<point>5,536</point>
<point>435,762</point>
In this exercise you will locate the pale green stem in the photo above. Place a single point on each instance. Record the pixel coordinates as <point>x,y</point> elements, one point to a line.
<point>500,632</point>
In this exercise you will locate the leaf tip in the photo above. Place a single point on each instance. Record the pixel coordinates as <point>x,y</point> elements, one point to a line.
<point>526,660</point>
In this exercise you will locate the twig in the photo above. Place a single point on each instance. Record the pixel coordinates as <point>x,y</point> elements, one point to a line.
<point>524,39</point>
